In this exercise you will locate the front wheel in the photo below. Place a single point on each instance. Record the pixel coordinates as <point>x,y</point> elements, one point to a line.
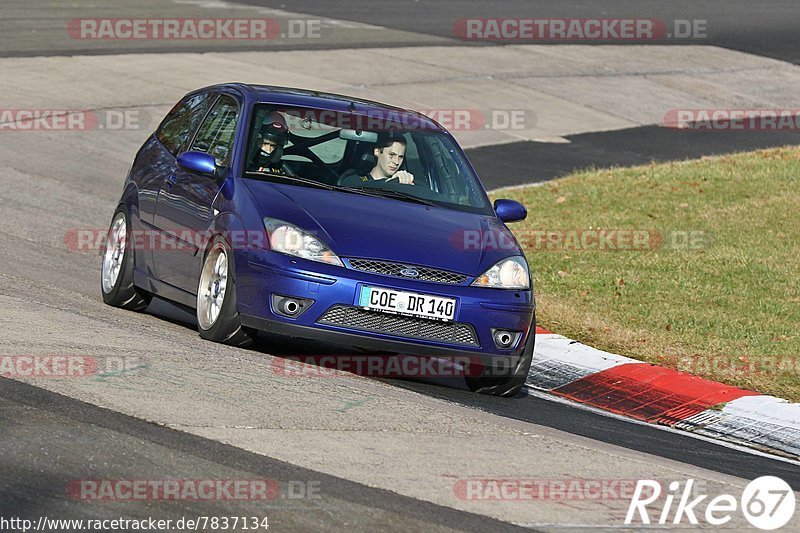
<point>509,384</point>
<point>217,315</point>
<point>116,277</point>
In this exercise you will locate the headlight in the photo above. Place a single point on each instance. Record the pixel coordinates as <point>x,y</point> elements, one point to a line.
<point>511,273</point>
<point>289,239</point>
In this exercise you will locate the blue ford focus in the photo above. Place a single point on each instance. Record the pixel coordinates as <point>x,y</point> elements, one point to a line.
<point>328,218</point>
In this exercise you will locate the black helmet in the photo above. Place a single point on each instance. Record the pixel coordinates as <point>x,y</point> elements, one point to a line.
<point>273,129</point>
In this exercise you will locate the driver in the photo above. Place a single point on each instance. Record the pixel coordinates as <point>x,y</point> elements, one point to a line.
<point>390,151</point>
<point>272,137</point>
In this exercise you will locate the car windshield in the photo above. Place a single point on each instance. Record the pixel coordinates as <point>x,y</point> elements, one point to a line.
<point>396,155</point>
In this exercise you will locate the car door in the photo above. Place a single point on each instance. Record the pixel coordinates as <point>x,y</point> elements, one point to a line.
<point>155,163</point>
<point>184,211</point>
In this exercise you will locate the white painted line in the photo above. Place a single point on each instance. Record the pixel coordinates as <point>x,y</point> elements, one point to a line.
<point>222,4</point>
<point>515,187</point>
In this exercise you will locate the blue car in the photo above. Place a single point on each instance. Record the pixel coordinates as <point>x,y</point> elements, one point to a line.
<point>323,217</point>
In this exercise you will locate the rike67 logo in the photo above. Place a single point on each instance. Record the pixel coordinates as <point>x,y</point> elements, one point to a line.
<point>767,503</point>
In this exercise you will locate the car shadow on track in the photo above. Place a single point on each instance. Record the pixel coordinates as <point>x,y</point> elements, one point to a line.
<point>315,354</point>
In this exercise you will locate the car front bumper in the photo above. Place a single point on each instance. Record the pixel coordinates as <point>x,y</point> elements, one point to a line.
<point>261,274</point>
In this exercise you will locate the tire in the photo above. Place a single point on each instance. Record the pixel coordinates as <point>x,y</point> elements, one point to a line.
<point>507,386</point>
<point>116,274</point>
<point>217,314</point>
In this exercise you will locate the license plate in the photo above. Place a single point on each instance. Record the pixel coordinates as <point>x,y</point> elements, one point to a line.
<point>407,303</point>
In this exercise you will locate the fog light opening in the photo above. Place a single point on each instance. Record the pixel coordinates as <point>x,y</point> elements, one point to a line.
<point>505,339</point>
<point>288,306</point>
<point>291,307</point>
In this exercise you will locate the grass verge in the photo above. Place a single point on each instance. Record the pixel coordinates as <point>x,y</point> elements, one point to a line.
<point>691,265</point>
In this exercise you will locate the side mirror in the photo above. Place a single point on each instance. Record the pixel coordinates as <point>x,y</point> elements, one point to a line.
<point>510,210</point>
<point>198,162</point>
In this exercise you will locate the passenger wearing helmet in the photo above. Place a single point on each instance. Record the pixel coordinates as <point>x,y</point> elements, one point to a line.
<point>272,137</point>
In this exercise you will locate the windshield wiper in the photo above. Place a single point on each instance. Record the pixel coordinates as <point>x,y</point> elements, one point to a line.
<point>395,194</point>
<point>367,191</point>
<point>317,183</point>
<point>295,178</point>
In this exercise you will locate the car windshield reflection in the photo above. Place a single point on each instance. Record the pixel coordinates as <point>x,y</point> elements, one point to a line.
<point>398,155</point>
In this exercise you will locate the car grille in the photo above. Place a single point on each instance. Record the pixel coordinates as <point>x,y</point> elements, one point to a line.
<point>386,268</point>
<point>402,326</point>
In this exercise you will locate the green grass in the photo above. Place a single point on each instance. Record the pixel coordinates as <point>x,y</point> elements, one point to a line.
<point>726,308</point>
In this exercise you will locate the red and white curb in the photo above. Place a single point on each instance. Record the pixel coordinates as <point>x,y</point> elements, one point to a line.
<point>658,395</point>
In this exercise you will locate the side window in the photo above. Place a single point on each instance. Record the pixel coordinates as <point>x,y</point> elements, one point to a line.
<point>215,136</point>
<point>177,128</point>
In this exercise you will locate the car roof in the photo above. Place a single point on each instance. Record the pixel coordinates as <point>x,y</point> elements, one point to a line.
<point>291,96</point>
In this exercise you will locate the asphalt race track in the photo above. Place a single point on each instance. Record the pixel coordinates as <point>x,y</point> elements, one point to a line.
<point>767,30</point>
<point>343,452</point>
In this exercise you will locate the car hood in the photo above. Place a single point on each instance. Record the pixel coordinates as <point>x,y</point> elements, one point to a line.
<point>355,225</point>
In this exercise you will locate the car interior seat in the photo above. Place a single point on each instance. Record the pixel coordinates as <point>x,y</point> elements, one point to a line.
<point>365,163</point>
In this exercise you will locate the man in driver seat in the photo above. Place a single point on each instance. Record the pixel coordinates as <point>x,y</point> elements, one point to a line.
<point>390,151</point>
<point>271,138</point>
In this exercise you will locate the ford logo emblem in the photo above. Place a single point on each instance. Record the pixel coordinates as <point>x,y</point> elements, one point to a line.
<point>410,272</point>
